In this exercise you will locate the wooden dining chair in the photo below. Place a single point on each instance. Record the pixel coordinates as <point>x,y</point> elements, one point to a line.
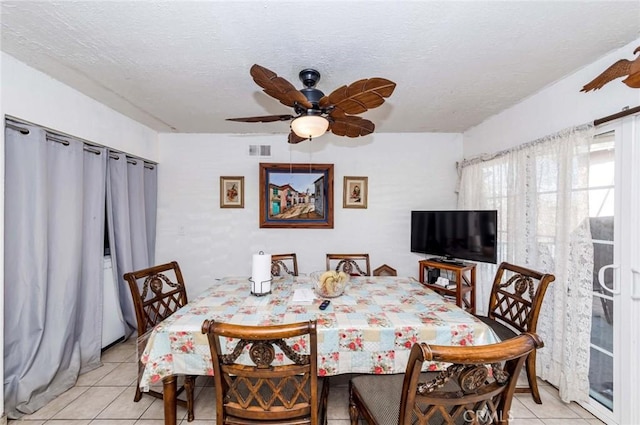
<point>476,388</point>
<point>351,264</point>
<point>257,391</point>
<point>282,264</point>
<point>385,270</point>
<point>514,306</point>
<point>158,292</point>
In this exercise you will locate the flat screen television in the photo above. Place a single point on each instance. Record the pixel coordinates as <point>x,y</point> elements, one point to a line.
<point>455,235</point>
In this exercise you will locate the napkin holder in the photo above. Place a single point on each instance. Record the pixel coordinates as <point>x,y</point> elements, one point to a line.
<point>261,288</point>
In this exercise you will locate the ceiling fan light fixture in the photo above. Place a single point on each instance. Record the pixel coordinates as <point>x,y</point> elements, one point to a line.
<point>310,126</point>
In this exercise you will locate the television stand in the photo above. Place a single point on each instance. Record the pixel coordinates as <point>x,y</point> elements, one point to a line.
<point>464,289</point>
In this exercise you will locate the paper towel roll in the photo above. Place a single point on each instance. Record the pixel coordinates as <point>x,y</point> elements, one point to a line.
<point>261,273</point>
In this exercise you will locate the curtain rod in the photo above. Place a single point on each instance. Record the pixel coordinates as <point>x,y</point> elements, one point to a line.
<point>92,149</point>
<point>487,157</point>
<point>87,147</point>
<point>16,128</point>
<point>116,156</point>
<point>53,135</point>
<point>623,113</point>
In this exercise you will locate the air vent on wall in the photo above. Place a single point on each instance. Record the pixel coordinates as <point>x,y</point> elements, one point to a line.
<point>259,150</point>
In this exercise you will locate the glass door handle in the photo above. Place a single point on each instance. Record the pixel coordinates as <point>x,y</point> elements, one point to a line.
<point>616,288</point>
<point>635,282</point>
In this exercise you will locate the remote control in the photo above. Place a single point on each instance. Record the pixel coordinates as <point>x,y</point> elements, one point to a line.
<point>324,304</point>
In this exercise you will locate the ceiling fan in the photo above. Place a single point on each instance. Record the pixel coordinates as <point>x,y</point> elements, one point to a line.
<point>316,113</point>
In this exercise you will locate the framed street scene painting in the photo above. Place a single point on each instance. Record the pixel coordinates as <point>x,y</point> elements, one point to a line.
<point>296,196</point>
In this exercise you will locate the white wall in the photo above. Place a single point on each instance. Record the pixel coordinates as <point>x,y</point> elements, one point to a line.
<point>559,106</point>
<point>405,172</point>
<point>35,97</point>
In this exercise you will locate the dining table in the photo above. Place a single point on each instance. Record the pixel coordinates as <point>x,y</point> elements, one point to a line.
<point>370,328</point>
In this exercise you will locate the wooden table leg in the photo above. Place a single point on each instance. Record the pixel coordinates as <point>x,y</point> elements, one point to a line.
<point>169,398</point>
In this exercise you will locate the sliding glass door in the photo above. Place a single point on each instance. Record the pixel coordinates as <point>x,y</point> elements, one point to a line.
<point>614,192</point>
<point>602,221</point>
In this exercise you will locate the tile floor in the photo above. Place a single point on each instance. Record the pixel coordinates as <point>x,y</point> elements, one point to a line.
<point>105,397</point>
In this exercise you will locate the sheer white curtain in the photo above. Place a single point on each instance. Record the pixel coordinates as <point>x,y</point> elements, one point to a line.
<point>54,227</point>
<point>539,190</point>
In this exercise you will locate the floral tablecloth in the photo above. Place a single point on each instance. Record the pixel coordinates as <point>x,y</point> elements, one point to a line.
<point>369,329</point>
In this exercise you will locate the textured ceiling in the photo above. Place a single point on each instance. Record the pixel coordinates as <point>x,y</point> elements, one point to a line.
<point>184,66</point>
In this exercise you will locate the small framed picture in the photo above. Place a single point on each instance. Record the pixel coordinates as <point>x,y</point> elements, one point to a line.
<point>354,193</point>
<point>231,192</point>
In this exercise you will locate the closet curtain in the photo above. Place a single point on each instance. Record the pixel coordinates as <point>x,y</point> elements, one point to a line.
<point>131,214</point>
<point>539,190</point>
<point>54,233</point>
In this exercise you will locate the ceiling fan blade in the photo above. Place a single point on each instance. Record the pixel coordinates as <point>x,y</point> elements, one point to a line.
<point>294,138</point>
<point>278,87</point>
<point>266,118</point>
<point>351,126</point>
<point>360,96</point>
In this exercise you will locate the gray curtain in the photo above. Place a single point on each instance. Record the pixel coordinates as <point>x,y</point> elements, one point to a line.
<point>54,225</point>
<point>131,211</point>
<point>151,207</point>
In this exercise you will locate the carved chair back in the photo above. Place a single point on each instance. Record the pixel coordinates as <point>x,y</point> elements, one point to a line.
<point>157,293</point>
<point>282,264</point>
<point>477,387</point>
<point>351,264</point>
<point>160,293</point>
<point>263,392</point>
<point>517,295</point>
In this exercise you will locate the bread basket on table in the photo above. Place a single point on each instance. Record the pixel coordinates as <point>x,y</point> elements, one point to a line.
<point>329,284</point>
